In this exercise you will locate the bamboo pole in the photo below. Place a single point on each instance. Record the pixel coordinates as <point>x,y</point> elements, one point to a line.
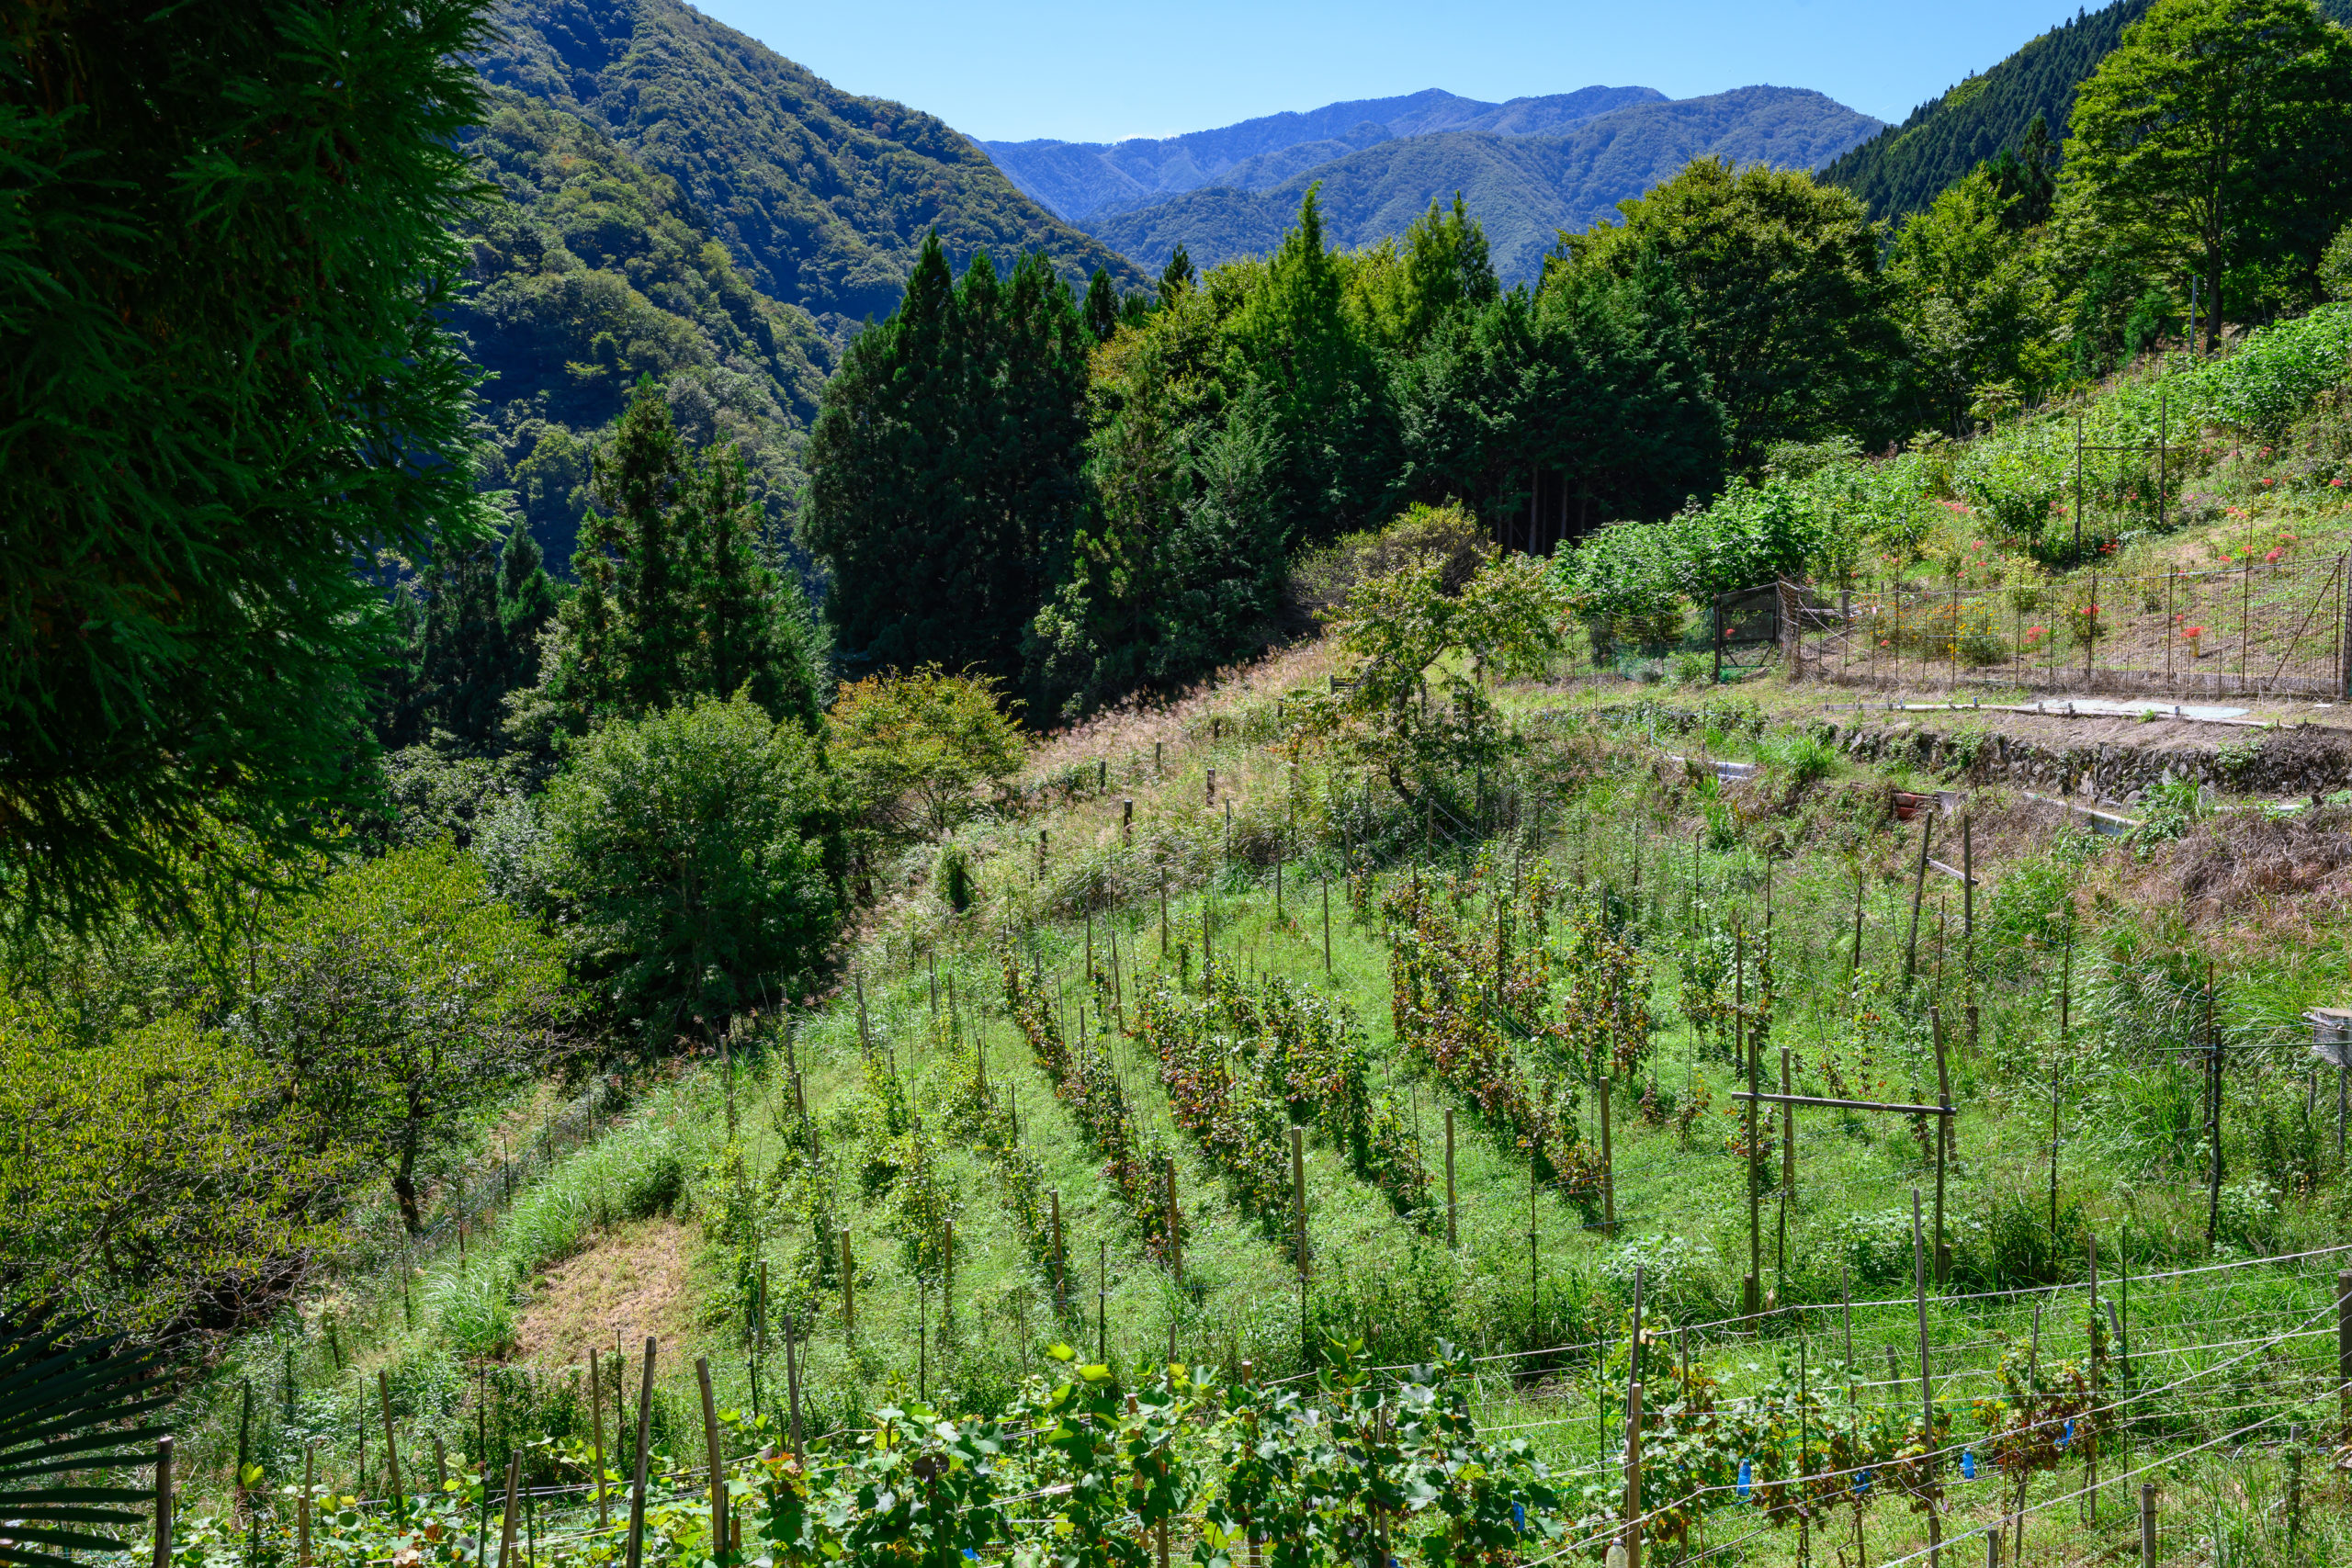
<point>506,1529</point>
<point>1927,1386</point>
<point>1451,1235</point>
<point>392,1450</point>
<point>596,1430</point>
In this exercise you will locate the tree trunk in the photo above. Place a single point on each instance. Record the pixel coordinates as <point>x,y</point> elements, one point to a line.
<point>404,1180</point>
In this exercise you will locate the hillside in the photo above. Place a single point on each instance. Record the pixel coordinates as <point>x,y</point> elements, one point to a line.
<point>1901,168</point>
<point>820,197</point>
<point>1524,190</point>
<point>593,270</point>
<point>1079,179</point>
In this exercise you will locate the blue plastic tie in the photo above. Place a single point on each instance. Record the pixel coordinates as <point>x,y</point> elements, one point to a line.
<point>1967,1465</point>
<point>1746,1472</point>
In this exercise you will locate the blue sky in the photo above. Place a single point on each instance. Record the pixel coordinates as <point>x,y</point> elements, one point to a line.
<point>1098,72</point>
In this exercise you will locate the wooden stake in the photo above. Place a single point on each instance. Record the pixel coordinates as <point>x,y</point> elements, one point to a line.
<point>849,1289</point>
<point>1061,1289</point>
<point>596,1428</point>
<point>1608,1167</point>
<point>392,1450</point>
<point>717,1465</point>
<point>506,1529</point>
<point>1326,925</point>
<point>792,1387</point>
<point>1175,1233</point>
<point>1943,1140</point>
<point>2147,1524</point>
<point>1451,1235</point>
<point>164,1505</point>
<point>1298,1194</point>
<point>1632,1519</point>
<point>635,1558</point>
<point>1918,891</point>
<point>1926,1387</point>
<point>864,1028</point>
<point>1163,916</point>
<point>1102,1303</point>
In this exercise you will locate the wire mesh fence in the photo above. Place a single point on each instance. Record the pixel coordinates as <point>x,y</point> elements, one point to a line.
<point>2255,629</point>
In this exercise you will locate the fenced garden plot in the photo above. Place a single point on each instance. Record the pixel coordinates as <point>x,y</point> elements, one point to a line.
<point>2263,628</point>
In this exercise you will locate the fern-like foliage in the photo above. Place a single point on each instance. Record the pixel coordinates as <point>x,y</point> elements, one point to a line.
<point>75,1414</point>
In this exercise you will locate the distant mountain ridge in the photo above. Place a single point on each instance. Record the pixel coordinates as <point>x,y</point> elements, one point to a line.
<point>1081,179</point>
<point>820,197</point>
<point>1523,189</point>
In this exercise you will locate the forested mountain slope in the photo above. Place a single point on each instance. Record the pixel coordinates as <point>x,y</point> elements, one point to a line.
<point>591,270</point>
<point>821,197</point>
<point>1901,168</point>
<point>1090,179</point>
<point>1524,189</point>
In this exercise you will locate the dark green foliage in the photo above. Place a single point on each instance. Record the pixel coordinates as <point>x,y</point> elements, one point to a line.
<point>594,271</point>
<point>1177,277</point>
<point>673,601</point>
<point>1903,167</point>
<point>1327,399</point>
<point>1102,307</point>
<point>223,262</point>
<point>1786,296</point>
<point>1524,189</point>
<point>946,468</point>
<point>2026,177</point>
<point>1595,379</point>
<point>475,621</point>
<point>696,862</point>
<point>70,1411</point>
<point>822,198</point>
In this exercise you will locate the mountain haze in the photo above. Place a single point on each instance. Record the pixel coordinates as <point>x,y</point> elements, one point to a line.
<point>822,198</point>
<point>1524,189</point>
<point>1083,179</point>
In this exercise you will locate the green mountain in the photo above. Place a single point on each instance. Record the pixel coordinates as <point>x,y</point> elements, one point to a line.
<point>1903,168</point>
<point>1091,179</point>
<point>1524,189</point>
<point>591,270</point>
<point>820,197</point>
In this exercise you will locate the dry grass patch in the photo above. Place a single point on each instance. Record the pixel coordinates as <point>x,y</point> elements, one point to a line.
<point>635,1280</point>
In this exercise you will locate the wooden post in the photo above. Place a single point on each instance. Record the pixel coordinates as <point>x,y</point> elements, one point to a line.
<point>1608,1167</point>
<point>2090,1453</point>
<point>864,1028</point>
<point>1855,962</point>
<point>597,1427</point>
<point>1751,1292</point>
<point>301,1512</point>
<point>1061,1288</point>
<point>1102,1303</point>
<point>1918,891</point>
<point>636,1557</point>
<point>392,1450</point>
<point>506,1529</point>
<point>1326,925</point>
<point>1788,1127</point>
<point>2213,1059</point>
<point>2344,1346</point>
<point>1634,1470</point>
<point>849,1289</point>
<point>1175,1229</point>
<point>1846,1303</point>
<point>1943,1142</point>
<point>244,1441</point>
<point>1298,1196</point>
<point>1452,1237</point>
<point>717,1465</point>
<point>2147,1524</point>
<point>1926,1387</point>
<point>792,1387</point>
<point>164,1505</point>
<point>1968,921</point>
<point>440,1465</point>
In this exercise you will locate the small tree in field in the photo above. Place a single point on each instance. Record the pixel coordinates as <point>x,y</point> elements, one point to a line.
<point>916,748</point>
<point>400,1004</point>
<point>1419,658</point>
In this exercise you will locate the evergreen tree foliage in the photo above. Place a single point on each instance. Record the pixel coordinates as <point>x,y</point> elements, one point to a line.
<point>225,258</point>
<point>673,602</point>
<point>1325,393</point>
<point>947,469</point>
<point>2026,177</point>
<point>1596,378</point>
<point>472,627</point>
<point>1176,277</point>
<point>1102,308</point>
<point>2218,139</point>
<point>1786,295</point>
<point>1905,166</point>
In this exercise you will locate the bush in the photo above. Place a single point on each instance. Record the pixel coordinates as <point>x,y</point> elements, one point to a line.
<point>1450,535</point>
<point>1676,1271</point>
<point>699,858</point>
